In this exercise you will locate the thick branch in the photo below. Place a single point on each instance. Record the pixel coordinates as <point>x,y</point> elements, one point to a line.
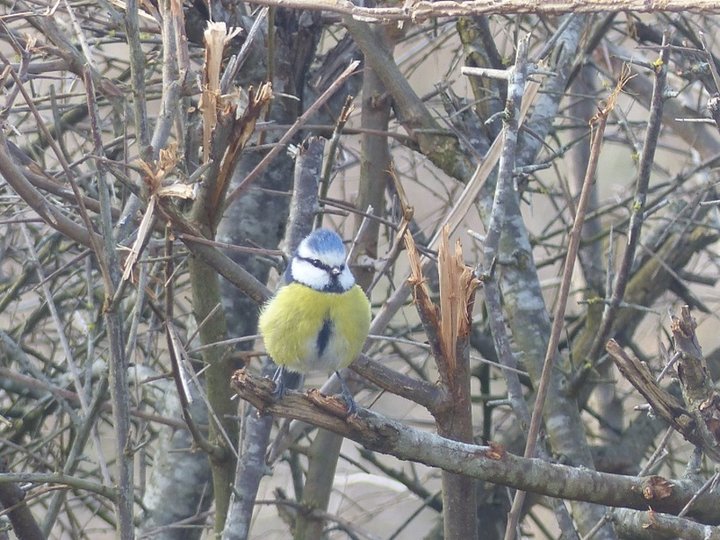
<point>422,10</point>
<point>492,463</point>
<point>44,208</point>
<point>12,499</point>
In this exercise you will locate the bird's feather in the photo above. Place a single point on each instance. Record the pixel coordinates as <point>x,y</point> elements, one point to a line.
<point>296,335</point>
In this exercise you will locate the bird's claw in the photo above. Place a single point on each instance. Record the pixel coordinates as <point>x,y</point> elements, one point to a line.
<point>279,380</point>
<point>347,397</point>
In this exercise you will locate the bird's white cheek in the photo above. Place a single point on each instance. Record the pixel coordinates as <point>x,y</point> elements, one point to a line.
<point>305,273</point>
<point>346,279</point>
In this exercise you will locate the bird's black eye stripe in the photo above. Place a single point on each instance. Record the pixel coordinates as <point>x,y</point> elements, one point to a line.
<point>317,263</point>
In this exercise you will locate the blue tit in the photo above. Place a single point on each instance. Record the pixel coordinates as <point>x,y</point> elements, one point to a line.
<point>319,319</point>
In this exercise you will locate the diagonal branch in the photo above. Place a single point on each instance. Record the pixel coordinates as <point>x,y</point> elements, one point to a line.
<point>492,463</point>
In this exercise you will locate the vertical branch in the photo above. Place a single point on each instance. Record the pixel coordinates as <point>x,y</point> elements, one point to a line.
<point>503,191</point>
<point>177,354</point>
<point>493,301</point>
<point>638,206</point>
<point>457,293</point>
<point>698,390</point>
<point>205,285</point>
<point>251,465</point>
<point>375,159</point>
<point>304,204</point>
<point>375,162</point>
<point>170,85</point>
<point>137,76</point>
<point>506,166</point>
<point>216,37</point>
<point>325,449</point>
<point>224,135</point>
<point>448,330</point>
<point>559,315</point>
<point>117,369</point>
<point>323,457</point>
<point>332,151</point>
<point>179,40</point>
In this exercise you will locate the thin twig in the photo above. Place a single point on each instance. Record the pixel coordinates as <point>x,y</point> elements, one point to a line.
<point>236,62</point>
<point>559,316</point>
<point>59,325</point>
<point>290,133</point>
<point>117,362</point>
<point>73,482</point>
<point>330,157</point>
<point>705,487</point>
<point>176,350</point>
<point>60,156</point>
<point>638,207</point>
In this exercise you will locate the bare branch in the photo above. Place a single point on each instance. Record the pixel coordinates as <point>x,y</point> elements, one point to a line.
<point>492,463</point>
<point>421,10</point>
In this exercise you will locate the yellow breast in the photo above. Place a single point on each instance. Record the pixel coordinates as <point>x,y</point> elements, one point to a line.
<point>306,330</point>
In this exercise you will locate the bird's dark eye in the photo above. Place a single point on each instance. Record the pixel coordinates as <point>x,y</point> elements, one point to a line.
<point>315,262</point>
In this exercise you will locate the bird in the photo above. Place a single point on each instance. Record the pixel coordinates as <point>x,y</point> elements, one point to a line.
<point>319,319</point>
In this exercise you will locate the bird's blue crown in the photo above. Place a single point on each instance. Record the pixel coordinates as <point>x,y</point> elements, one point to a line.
<point>325,241</point>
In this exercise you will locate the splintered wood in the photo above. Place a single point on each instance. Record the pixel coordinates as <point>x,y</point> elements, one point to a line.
<point>216,37</point>
<point>457,294</point>
<point>698,418</point>
<point>451,320</point>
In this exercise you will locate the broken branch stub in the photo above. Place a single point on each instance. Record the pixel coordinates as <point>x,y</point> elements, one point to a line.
<point>449,322</point>
<point>698,419</point>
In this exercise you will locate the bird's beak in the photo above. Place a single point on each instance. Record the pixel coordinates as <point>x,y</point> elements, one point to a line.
<point>335,271</point>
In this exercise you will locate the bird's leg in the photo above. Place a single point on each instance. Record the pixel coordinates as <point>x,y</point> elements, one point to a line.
<point>352,407</point>
<point>279,380</point>
<point>286,380</point>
